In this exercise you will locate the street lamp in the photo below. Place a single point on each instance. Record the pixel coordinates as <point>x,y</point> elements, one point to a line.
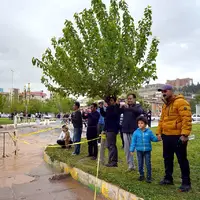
<point>12,71</point>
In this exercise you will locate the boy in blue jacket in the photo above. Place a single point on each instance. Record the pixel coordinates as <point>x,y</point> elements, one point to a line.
<point>141,141</point>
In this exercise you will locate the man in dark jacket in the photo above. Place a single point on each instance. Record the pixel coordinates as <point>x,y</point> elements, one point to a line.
<point>149,118</point>
<point>112,118</point>
<point>129,125</point>
<point>77,124</point>
<point>93,119</point>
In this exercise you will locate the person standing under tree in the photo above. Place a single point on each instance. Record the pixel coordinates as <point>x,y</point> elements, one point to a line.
<point>101,121</point>
<point>77,124</point>
<point>149,118</point>
<point>112,117</point>
<point>175,126</point>
<point>129,124</point>
<point>93,118</point>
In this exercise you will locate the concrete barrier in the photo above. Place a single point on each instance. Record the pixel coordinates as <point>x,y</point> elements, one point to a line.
<point>108,190</point>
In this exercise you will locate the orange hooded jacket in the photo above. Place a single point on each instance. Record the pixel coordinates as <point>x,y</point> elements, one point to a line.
<point>176,117</point>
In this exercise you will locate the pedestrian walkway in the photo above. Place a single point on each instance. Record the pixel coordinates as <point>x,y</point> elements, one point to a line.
<point>27,176</point>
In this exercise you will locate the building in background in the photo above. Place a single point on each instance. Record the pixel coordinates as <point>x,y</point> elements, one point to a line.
<point>151,96</point>
<point>14,93</point>
<point>1,90</point>
<point>38,95</point>
<point>150,91</point>
<point>179,83</point>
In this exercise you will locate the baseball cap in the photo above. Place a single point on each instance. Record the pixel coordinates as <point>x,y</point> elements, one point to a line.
<point>165,87</point>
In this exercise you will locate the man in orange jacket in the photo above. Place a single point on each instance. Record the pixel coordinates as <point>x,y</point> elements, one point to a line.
<point>175,126</point>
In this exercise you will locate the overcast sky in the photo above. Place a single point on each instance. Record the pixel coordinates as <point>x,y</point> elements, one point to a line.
<point>26,27</point>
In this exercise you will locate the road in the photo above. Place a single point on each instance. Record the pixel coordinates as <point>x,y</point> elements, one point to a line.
<point>26,176</point>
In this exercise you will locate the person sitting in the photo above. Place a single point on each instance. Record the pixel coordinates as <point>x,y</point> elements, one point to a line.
<point>64,139</point>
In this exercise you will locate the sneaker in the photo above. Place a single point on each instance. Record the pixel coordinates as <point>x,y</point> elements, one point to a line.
<point>74,154</point>
<point>111,165</point>
<point>148,180</point>
<point>184,188</point>
<point>166,182</point>
<point>130,169</point>
<point>141,178</point>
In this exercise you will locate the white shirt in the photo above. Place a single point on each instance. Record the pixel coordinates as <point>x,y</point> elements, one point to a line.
<point>62,136</point>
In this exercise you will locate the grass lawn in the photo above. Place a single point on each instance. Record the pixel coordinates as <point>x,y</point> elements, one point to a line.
<point>4,121</point>
<point>128,181</point>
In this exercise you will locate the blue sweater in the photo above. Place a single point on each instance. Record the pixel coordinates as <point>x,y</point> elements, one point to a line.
<point>101,118</point>
<point>141,141</point>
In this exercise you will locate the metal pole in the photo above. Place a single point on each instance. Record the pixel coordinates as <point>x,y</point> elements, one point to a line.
<point>4,145</point>
<point>12,86</point>
<point>15,142</point>
<point>12,78</point>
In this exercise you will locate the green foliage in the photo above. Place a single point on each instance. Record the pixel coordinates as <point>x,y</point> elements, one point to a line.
<point>59,104</point>
<point>193,106</point>
<point>4,121</point>
<point>34,106</point>
<point>54,105</point>
<point>2,102</point>
<point>197,99</point>
<point>145,105</point>
<point>189,90</point>
<point>194,102</point>
<point>93,100</point>
<point>106,54</point>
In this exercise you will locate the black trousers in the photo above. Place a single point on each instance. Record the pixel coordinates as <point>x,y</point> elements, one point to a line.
<point>62,143</point>
<point>112,148</point>
<point>92,145</point>
<point>149,123</point>
<point>171,145</point>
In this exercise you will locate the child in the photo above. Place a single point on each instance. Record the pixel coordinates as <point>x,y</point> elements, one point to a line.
<point>64,139</point>
<point>141,141</point>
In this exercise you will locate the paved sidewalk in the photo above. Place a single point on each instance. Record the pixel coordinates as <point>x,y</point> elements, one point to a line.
<point>26,176</point>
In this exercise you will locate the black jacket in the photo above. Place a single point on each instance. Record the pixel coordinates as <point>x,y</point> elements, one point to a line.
<point>129,123</point>
<point>112,118</point>
<point>93,118</point>
<point>77,119</point>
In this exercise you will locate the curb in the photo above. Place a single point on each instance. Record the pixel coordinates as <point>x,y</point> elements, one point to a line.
<point>108,190</point>
<point>7,126</point>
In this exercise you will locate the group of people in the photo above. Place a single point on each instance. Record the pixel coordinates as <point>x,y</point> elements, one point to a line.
<point>129,119</point>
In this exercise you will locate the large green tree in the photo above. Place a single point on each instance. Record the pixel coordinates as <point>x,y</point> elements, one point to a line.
<point>58,104</point>
<point>104,53</point>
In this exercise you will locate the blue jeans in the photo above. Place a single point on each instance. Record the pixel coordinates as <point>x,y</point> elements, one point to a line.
<point>77,138</point>
<point>144,155</point>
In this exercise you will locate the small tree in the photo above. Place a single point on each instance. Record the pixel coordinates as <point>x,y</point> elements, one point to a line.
<point>104,54</point>
<point>34,106</point>
<point>2,102</point>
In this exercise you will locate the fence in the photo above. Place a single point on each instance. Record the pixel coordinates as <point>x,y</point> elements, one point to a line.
<point>8,140</point>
